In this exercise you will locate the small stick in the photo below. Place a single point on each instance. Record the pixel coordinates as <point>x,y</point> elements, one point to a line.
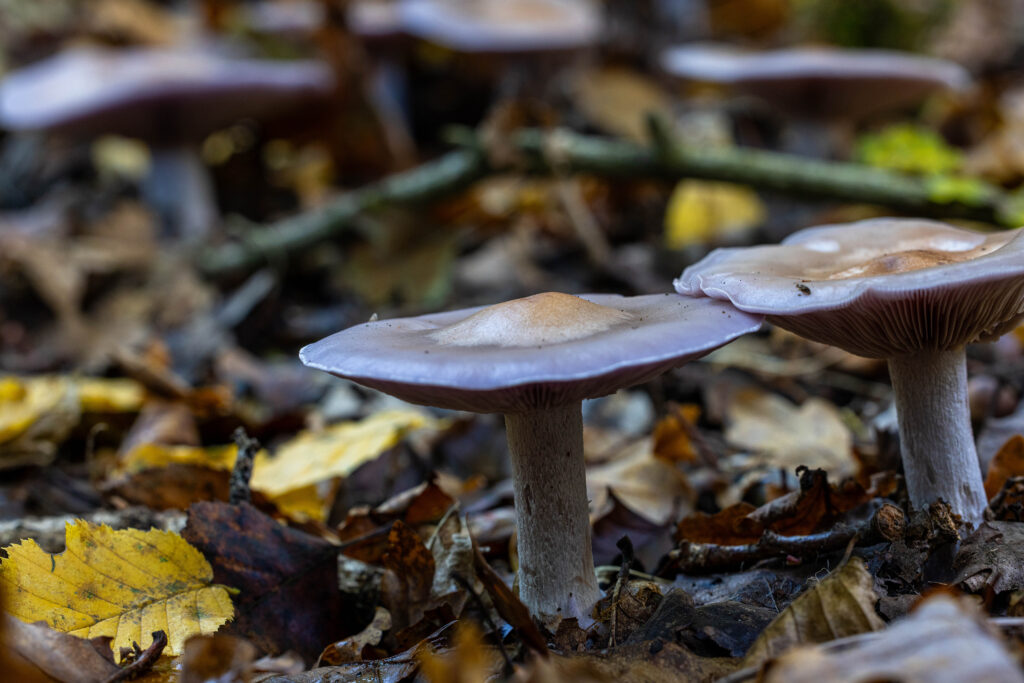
<point>242,472</point>
<point>626,546</point>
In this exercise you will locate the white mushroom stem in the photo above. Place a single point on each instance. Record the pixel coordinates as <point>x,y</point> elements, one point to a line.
<point>556,564</point>
<point>939,457</point>
<point>180,187</point>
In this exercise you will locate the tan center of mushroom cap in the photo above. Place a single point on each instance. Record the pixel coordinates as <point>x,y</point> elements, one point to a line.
<point>518,12</point>
<point>893,261</point>
<point>538,320</point>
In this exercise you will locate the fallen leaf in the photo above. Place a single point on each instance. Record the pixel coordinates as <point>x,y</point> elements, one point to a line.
<point>788,436</point>
<point>992,558</point>
<point>351,649</point>
<point>944,640</point>
<point>636,663</point>
<point>36,414</point>
<point>394,669</point>
<point>649,486</point>
<point>815,506</point>
<point>508,604</point>
<point>109,395</point>
<point>705,212</point>
<point>468,660</point>
<point>619,101</point>
<point>1008,462</point>
<point>33,653</point>
<point>292,476</point>
<point>162,583</point>
<point>406,586</point>
<point>671,434</point>
<point>842,604</point>
<point>288,580</point>
<point>218,657</point>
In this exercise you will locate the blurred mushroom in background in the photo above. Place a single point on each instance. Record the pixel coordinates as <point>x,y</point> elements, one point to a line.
<point>171,98</point>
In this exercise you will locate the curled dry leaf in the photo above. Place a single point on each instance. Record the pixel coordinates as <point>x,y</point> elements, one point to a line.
<point>812,434</point>
<point>992,557</point>
<point>817,505</point>
<point>1008,462</point>
<point>944,640</point>
<point>842,604</point>
<point>123,584</point>
<point>34,653</point>
<point>351,649</point>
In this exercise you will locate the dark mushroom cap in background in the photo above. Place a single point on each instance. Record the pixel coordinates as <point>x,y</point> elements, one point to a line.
<point>878,288</point>
<point>504,26</point>
<point>155,94</point>
<point>820,82</point>
<point>545,350</point>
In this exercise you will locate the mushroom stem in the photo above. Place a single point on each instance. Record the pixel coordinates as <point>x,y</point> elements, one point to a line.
<point>180,187</point>
<point>556,564</point>
<point>939,457</point>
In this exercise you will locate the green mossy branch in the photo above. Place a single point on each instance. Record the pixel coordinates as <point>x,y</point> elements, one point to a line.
<point>565,152</point>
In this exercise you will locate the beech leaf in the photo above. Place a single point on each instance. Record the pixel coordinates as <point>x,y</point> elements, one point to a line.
<point>124,584</point>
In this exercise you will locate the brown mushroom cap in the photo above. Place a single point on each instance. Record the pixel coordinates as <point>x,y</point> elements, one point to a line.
<point>504,26</point>
<point>878,288</point>
<point>820,82</point>
<point>153,93</point>
<point>545,350</point>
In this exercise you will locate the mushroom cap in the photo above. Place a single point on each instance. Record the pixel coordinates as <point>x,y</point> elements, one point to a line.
<point>153,93</point>
<point>504,26</point>
<point>545,350</point>
<point>877,288</point>
<point>376,20</point>
<point>820,82</point>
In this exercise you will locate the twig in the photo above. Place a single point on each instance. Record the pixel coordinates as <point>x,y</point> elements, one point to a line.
<point>886,525</point>
<point>626,547</point>
<point>668,158</point>
<point>144,660</point>
<point>262,245</point>
<point>485,614</point>
<point>239,491</point>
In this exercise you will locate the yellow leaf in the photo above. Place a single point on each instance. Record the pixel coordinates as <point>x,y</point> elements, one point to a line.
<point>149,455</point>
<point>102,395</point>
<point>701,211</point>
<point>123,584</point>
<point>295,476</point>
<point>23,402</point>
<point>1019,333</point>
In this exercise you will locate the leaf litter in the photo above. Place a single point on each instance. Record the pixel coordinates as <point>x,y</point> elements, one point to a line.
<point>766,526</point>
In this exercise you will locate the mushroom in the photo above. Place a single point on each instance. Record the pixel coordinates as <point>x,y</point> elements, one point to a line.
<point>913,292</point>
<point>819,86</point>
<point>170,98</point>
<point>529,33</point>
<point>535,360</point>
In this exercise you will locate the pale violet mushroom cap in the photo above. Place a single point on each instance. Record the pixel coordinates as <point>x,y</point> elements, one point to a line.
<point>140,92</point>
<point>546,350</point>
<point>816,81</point>
<point>504,26</point>
<point>877,288</point>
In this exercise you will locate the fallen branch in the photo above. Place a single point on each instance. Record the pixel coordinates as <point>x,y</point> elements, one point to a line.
<point>886,525</point>
<point>563,152</point>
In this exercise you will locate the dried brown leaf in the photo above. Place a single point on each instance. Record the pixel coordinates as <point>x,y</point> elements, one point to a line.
<point>842,604</point>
